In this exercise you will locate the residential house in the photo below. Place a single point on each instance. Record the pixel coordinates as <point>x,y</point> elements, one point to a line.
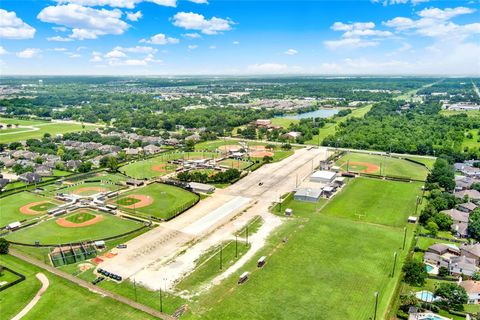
<point>195,137</point>
<point>292,135</point>
<point>471,251</point>
<point>467,207</point>
<point>463,265</point>
<point>151,149</point>
<point>442,248</point>
<point>73,164</point>
<point>3,183</point>
<point>472,288</point>
<point>43,171</point>
<point>132,151</point>
<point>30,177</point>
<point>472,195</point>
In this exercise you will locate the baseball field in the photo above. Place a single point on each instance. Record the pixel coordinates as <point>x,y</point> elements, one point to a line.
<point>30,129</point>
<point>160,166</point>
<point>24,206</point>
<point>381,165</point>
<point>158,200</point>
<point>80,225</point>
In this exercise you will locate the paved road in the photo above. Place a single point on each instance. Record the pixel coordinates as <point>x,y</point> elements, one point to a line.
<point>45,283</point>
<point>91,287</point>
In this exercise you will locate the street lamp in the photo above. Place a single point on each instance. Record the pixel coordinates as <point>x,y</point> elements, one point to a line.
<point>394,263</point>
<point>404,237</point>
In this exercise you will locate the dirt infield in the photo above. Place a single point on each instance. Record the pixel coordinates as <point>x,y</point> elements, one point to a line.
<point>26,208</point>
<point>160,167</point>
<point>260,154</point>
<point>68,224</point>
<point>369,167</point>
<point>230,148</point>
<point>144,201</point>
<point>79,191</point>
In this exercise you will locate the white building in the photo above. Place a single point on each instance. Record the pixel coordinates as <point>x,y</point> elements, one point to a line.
<point>323,176</point>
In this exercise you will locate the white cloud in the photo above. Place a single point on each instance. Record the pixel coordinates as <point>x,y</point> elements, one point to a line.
<point>195,21</point>
<point>59,39</point>
<point>75,55</point>
<point>129,4</point>
<point>350,43</point>
<point>291,52</point>
<point>3,51</point>
<point>435,23</point>
<point>193,35</point>
<point>59,29</point>
<point>199,1</point>
<point>60,49</point>
<point>115,54</point>
<point>393,2</point>
<point>134,62</point>
<point>137,49</point>
<point>12,27</point>
<point>160,39</point>
<point>86,23</point>
<point>272,68</point>
<point>134,16</point>
<point>29,53</point>
<point>192,47</point>
<point>236,42</point>
<point>96,57</point>
<point>212,47</point>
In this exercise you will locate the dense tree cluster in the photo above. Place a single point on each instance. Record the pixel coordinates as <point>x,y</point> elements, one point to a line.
<point>227,176</point>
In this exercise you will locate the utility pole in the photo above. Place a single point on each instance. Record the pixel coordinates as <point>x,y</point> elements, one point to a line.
<point>135,288</point>
<point>404,237</point>
<point>236,246</point>
<point>376,304</point>
<point>394,263</point>
<point>246,234</point>
<point>416,205</point>
<point>161,300</point>
<point>221,258</point>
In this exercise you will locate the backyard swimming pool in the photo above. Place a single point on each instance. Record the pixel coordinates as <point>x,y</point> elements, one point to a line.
<point>425,296</point>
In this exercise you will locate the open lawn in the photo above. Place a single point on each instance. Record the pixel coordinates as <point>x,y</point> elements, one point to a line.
<point>161,201</point>
<point>50,232</point>
<point>159,166</point>
<point>470,113</point>
<point>329,268</point>
<point>10,207</point>
<point>381,165</point>
<point>237,164</point>
<point>62,299</point>
<point>283,122</point>
<point>474,142</point>
<point>375,201</point>
<point>36,129</point>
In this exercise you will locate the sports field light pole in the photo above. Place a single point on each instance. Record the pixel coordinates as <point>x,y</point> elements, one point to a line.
<point>416,205</point>
<point>394,263</point>
<point>221,256</point>
<point>246,235</point>
<point>236,246</point>
<point>135,288</point>
<point>376,304</point>
<point>404,237</point>
<point>161,300</point>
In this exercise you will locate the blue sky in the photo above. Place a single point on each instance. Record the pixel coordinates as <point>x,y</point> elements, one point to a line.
<point>167,37</point>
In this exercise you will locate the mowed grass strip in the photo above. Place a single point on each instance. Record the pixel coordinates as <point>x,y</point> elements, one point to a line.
<point>167,200</point>
<point>49,232</point>
<point>375,201</point>
<point>388,166</point>
<point>328,268</point>
<point>62,299</point>
<point>10,207</point>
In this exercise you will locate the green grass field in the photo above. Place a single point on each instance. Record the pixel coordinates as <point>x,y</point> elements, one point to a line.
<point>49,232</point>
<point>159,166</point>
<point>10,206</point>
<point>62,299</point>
<point>384,165</point>
<point>36,129</point>
<point>167,200</point>
<point>80,217</point>
<point>88,188</point>
<point>472,143</point>
<point>376,201</point>
<point>236,164</point>
<point>283,122</point>
<point>328,268</point>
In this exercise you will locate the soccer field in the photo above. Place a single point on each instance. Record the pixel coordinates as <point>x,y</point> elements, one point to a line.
<point>11,207</point>
<point>54,232</point>
<point>158,200</point>
<point>62,299</point>
<point>381,165</point>
<point>376,201</point>
<point>318,267</point>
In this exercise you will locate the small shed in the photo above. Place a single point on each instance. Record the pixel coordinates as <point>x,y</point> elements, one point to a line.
<point>288,212</point>
<point>412,219</point>
<point>261,262</point>
<point>100,244</point>
<point>243,277</point>
<point>135,182</point>
<point>308,194</point>
<point>201,187</point>
<point>14,225</point>
<point>323,176</point>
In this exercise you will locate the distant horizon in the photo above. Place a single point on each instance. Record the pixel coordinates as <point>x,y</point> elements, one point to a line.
<point>248,75</point>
